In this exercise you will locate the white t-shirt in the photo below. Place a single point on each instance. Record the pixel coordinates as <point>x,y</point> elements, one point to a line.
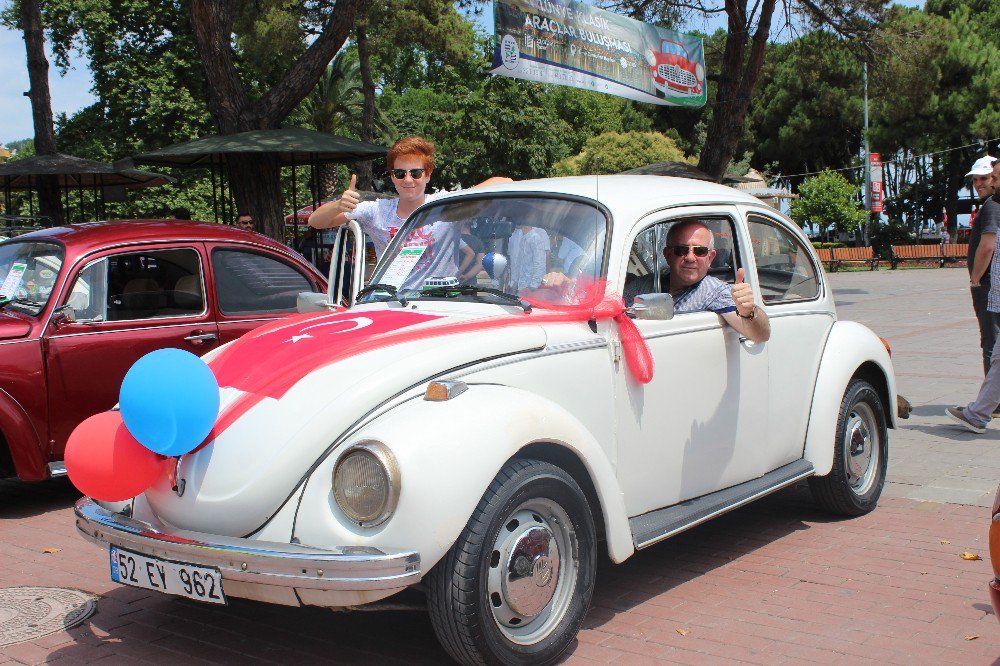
<point>379,220</point>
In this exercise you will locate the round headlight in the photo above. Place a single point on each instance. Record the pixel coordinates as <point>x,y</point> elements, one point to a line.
<point>366,483</point>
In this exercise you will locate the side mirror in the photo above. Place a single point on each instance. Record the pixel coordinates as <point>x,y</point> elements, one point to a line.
<point>63,315</point>
<point>310,301</point>
<point>658,307</point>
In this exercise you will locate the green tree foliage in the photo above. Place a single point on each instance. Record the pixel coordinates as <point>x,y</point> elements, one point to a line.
<point>808,115</point>
<point>614,152</point>
<point>828,199</point>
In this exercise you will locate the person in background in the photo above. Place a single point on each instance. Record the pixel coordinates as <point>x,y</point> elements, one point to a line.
<point>473,252</point>
<point>245,222</point>
<point>977,414</point>
<point>181,213</point>
<point>411,163</point>
<point>982,240</point>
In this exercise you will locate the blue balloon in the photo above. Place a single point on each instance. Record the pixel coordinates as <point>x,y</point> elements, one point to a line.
<point>495,264</point>
<point>169,401</point>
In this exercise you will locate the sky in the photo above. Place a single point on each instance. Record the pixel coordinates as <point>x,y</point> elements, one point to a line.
<point>71,93</point>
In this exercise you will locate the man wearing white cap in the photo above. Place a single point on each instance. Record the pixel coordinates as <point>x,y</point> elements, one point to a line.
<point>985,180</point>
<point>981,243</point>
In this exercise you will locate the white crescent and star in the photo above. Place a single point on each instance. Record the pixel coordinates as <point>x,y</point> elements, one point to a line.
<point>359,323</point>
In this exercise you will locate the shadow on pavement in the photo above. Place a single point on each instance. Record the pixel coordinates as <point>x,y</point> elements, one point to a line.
<point>683,558</point>
<point>21,499</point>
<point>136,624</point>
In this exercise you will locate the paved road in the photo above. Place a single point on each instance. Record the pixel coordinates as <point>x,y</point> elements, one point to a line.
<point>927,317</point>
<point>776,582</point>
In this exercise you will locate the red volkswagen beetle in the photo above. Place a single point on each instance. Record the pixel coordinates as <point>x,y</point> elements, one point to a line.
<point>80,304</point>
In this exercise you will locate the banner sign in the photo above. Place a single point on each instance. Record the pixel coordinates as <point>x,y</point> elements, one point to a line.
<point>876,197</point>
<point>574,44</point>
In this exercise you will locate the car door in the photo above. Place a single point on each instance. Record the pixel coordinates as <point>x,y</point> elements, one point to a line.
<point>791,286</point>
<point>253,286</point>
<point>696,427</point>
<point>119,306</point>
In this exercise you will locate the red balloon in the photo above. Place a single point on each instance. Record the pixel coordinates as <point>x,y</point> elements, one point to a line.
<point>105,462</point>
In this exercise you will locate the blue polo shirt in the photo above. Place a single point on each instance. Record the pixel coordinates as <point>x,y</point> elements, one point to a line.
<point>709,294</point>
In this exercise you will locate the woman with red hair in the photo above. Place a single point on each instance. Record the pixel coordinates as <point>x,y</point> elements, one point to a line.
<point>411,162</point>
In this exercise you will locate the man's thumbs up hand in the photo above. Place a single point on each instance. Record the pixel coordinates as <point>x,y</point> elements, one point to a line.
<point>742,295</point>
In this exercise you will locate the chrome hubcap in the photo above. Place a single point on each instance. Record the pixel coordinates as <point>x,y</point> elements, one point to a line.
<point>532,571</point>
<point>861,448</point>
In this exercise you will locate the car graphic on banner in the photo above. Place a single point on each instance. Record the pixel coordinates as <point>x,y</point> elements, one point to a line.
<point>674,71</point>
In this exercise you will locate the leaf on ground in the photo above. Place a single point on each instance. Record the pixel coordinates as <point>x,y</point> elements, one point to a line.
<point>970,556</point>
<point>683,632</point>
<point>944,541</point>
<point>971,637</point>
<point>50,551</point>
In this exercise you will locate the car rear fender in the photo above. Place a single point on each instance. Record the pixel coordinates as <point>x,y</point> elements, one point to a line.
<point>448,454</point>
<point>851,350</point>
<point>23,443</point>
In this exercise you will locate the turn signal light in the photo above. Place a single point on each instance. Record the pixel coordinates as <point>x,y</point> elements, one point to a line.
<point>443,390</point>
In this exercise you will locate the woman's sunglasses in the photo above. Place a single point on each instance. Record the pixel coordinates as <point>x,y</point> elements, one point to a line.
<point>400,174</point>
<point>682,250</point>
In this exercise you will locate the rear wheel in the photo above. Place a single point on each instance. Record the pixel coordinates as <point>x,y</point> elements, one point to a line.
<point>515,586</point>
<point>860,454</point>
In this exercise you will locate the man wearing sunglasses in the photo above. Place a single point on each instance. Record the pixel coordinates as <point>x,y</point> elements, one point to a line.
<point>689,251</point>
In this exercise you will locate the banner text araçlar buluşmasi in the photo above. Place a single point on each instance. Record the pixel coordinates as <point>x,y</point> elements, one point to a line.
<point>577,45</point>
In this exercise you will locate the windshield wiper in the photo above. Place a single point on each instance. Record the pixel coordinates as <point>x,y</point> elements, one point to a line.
<point>388,288</point>
<point>472,290</point>
<point>20,301</point>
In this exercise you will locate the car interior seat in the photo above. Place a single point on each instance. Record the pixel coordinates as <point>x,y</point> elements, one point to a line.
<point>187,293</point>
<point>141,297</point>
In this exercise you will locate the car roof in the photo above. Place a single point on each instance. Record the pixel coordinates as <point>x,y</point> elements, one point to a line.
<point>628,196</point>
<point>86,237</point>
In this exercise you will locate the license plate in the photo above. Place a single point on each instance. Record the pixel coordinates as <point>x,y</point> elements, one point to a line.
<point>151,573</point>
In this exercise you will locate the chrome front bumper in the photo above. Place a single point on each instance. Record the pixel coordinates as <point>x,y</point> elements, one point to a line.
<point>348,568</point>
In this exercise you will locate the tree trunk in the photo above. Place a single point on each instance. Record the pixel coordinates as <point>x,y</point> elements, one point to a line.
<point>364,169</point>
<point>255,179</point>
<point>49,200</point>
<point>736,84</point>
<point>263,171</point>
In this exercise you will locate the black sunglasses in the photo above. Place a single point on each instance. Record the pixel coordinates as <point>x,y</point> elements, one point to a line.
<point>400,174</point>
<point>682,250</point>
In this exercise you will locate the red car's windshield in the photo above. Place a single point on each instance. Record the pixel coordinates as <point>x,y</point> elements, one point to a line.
<point>28,272</point>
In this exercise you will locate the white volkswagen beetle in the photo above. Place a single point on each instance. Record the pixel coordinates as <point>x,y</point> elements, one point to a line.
<point>483,437</point>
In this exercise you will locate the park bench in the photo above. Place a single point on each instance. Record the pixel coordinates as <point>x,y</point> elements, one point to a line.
<point>857,255</point>
<point>954,252</point>
<point>938,253</point>
<point>825,255</point>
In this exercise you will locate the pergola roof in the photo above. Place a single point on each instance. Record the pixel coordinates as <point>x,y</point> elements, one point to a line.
<point>292,145</point>
<point>73,172</point>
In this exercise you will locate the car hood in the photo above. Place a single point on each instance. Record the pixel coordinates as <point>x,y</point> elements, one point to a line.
<point>12,327</point>
<point>292,388</point>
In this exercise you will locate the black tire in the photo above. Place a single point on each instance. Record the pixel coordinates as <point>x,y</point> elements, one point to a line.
<point>860,454</point>
<point>489,602</point>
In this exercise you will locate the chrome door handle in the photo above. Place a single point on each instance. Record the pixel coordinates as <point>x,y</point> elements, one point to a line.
<point>199,338</point>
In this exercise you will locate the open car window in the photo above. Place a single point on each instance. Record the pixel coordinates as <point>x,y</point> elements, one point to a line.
<point>647,271</point>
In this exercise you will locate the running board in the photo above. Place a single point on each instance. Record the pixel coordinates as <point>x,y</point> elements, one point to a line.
<point>649,528</point>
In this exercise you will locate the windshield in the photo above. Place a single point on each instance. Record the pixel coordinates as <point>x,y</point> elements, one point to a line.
<point>536,248</point>
<point>28,272</point>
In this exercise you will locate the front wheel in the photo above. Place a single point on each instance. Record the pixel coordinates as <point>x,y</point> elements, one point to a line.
<point>860,454</point>
<point>515,586</point>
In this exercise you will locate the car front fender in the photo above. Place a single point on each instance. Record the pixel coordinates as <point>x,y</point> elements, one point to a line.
<point>448,453</point>
<point>24,444</point>
<point>851,348</point>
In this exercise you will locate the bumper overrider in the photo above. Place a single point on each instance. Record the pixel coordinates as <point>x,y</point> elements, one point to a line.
<point>347,568</point>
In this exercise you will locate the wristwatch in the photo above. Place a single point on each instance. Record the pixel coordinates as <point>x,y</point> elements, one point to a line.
<point>753,313</point>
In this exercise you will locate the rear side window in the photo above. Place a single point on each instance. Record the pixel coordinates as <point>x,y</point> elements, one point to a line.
<point>139,285</point>
<point>252,283</point>
<point>785,268</point>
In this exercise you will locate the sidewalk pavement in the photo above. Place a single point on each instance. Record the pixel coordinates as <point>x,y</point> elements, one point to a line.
<point>776,582</point>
